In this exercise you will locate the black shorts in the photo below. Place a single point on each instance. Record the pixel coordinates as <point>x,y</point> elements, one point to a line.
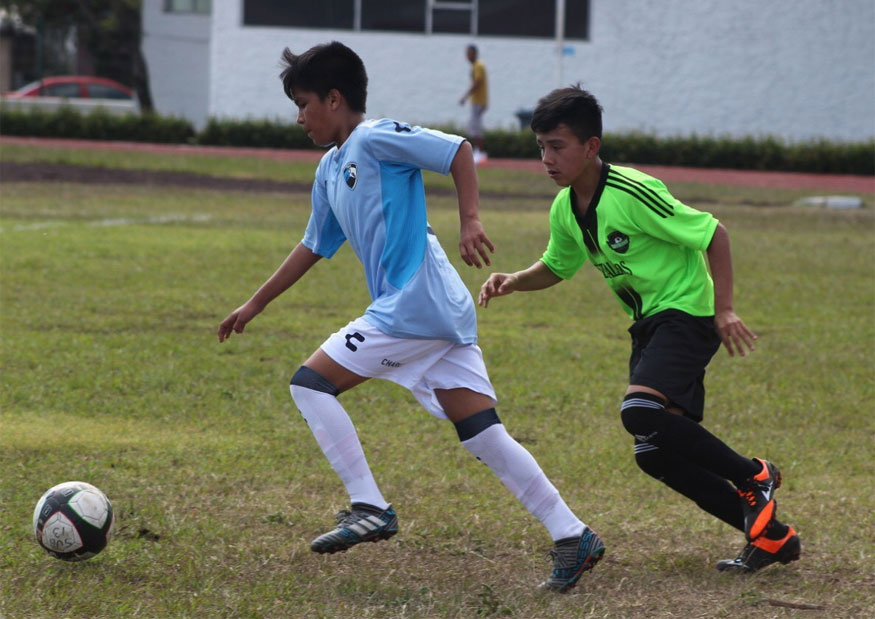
<point>669,353</point>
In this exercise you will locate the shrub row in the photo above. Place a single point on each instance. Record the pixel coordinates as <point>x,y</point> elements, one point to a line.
<point>746,153</point>
<point>67,122</point>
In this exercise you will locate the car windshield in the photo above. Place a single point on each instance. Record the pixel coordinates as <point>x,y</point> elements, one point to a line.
<point>27,87</point>
<point>64,89</point>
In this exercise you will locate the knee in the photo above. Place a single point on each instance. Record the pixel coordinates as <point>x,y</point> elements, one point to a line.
<point>313,380</point>
<point>475,424</point>
<point>650,460</point>
<point>637,412</point>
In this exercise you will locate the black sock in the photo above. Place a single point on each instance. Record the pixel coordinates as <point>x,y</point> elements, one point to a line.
<point>645,417</point>
<point>710,492</point>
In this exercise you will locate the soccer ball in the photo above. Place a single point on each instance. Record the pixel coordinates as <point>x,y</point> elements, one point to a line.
<point>73,521</point>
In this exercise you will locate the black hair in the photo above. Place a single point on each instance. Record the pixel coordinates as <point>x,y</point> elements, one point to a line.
<point>573,107</point>
<point>325,67</point>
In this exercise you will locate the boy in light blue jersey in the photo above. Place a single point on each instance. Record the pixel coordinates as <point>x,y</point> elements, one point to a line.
<point>369,192</point>
<point>420,329</point>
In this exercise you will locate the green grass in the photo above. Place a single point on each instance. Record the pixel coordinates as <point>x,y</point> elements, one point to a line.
<point>110,297</point>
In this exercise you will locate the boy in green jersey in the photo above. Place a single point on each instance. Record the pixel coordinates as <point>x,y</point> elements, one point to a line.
<point>651,250</point>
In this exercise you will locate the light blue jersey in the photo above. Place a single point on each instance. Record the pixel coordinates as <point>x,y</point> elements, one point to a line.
<point>370,192</point>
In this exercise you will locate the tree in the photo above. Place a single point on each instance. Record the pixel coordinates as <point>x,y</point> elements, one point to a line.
<point>108,36</point>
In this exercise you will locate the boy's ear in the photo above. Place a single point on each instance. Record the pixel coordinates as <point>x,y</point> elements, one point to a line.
<point>592,147</point>
<point>334,99</point>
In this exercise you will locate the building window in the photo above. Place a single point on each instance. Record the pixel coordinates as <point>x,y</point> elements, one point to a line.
<point>300,13</point>
<point>508,18</point>
<point>407,16</point>
<point>516,18</point>
<point>451,20</point>
<point>188,6</point>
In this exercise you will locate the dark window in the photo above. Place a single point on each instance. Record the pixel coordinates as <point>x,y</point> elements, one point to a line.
<point>408,16</point>
<point>509,18</point>
<point>449,20</point>
<point>62,90</point>
<point>517,18</point>
<point>299,13</point>
<point>577,19</point>
<point>102,91</point>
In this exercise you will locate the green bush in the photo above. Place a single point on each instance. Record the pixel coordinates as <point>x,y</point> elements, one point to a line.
<point>254,133</point>
<point>98,124</point>
<point>744,153</point>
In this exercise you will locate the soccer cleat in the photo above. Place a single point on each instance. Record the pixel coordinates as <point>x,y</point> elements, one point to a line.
<point>361,523</point>
<point>573,556</point>
<point>758,499</point>
<point>762,552</point>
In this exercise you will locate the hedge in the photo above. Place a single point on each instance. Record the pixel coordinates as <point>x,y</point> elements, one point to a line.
<point>66,122</point>
<point>745,153</point>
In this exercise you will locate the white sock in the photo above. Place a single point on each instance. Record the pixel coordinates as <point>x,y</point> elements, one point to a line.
<point>336,435</point>
<point>520,473</point>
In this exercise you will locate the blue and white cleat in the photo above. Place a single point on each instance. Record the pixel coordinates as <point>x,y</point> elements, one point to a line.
<point>361,523</point>
<point>572,557</point>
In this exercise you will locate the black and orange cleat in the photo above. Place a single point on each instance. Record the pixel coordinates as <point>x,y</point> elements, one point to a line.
<point>758,499</point>
<point>763,552</point>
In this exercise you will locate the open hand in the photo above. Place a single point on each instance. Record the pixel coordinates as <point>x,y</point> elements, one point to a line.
<point>734,333</point>
<point>473,243</point>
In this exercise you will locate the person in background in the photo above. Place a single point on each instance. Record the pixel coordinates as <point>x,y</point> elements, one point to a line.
<point>478,94</point>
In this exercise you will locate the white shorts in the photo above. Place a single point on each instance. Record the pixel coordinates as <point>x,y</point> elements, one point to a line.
<point>418,365</point>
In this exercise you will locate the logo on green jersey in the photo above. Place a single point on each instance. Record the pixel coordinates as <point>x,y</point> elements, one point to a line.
<point>619,242</point>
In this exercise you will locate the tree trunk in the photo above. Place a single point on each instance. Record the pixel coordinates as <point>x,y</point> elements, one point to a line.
<point>141,80</point>
<point>130,22</point>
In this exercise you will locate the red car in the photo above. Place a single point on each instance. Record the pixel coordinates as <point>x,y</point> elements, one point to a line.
<point>74,87</point>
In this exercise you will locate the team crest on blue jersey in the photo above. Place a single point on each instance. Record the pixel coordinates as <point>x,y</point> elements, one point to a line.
<point>619,242</point>
<point>350,175</point>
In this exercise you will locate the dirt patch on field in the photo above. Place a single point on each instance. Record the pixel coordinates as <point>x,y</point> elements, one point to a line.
<point>837,183</point>
<point>18,172</point>
<point>11,172</point>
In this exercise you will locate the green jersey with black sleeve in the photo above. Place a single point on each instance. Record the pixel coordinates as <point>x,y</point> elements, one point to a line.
<point>647,244</point>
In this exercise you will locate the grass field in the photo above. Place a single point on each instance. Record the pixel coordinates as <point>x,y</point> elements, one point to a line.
<point>109,301</point>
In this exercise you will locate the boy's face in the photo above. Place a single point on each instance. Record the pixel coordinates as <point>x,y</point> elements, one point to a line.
<point>564,156</point>
<point>316,116</point>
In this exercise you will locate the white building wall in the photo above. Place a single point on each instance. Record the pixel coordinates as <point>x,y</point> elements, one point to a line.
<point>177,50</point>
<point>797,69</point>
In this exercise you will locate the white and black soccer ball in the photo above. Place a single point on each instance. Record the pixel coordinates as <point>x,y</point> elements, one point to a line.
<point>73,521</point>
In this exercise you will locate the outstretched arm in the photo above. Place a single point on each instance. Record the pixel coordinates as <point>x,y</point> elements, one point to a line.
<point>472,237</point>
<point>290,271</point>
<point>536,277</point>
<point>734,333</point>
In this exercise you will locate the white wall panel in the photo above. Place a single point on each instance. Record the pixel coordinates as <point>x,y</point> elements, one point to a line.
<point>797,69</point>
